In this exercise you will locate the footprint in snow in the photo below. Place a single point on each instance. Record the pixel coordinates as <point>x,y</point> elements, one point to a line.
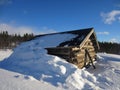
<point>17,76</point>
<point>29,77</point>
<point>117,71</point>
<point>105,81</point>
<point>26,77</point>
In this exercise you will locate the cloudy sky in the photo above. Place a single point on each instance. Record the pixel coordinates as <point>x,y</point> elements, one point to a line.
<point>46,16</point>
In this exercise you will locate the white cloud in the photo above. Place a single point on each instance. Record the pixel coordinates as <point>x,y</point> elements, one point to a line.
<point>110,17</point>
<point>12,29</point>
<point>3,2</point>
<point>24,29</point>
<point>103,33</point>
<point>45,30</point>
<point>114,40</point>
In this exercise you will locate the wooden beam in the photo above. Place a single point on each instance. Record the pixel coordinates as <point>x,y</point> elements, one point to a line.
<point>87,54</point>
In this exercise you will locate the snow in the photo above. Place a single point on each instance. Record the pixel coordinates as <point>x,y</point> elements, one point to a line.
<point>16,81</point>
<point>5,53</point>
<point>29,67</point>
<point>108,71</point>
<point>54,40</point>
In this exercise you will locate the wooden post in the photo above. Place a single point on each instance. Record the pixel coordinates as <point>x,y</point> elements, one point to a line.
<point>87,54</point>
<point>85,60</point>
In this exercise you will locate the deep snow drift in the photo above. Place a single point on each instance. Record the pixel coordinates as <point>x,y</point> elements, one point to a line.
<point>30,60</point>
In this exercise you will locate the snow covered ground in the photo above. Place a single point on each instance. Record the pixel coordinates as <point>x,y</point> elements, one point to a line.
<point>29,67</point>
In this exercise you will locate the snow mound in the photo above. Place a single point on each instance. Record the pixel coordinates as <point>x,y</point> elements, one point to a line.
<point>31,59</point>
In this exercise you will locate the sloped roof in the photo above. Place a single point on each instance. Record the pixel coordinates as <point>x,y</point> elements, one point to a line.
<point>79,38</point>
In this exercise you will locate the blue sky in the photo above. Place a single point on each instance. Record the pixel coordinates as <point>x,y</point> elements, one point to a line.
<point>46,16</point>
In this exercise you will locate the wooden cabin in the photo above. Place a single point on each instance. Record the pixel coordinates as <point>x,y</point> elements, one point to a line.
<point>80,50</point>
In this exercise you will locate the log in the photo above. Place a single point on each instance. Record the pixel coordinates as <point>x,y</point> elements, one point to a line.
<point>76,48</point>
<point>80,65</point>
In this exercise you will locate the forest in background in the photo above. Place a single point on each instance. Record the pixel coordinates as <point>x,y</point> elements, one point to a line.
<point>109,47</point>
<point>8,41</point>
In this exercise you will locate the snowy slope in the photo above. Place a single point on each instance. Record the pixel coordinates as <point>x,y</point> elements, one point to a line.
<point>31,64</point>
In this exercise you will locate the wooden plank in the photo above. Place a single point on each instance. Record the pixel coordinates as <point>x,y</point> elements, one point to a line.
<point>89,47</point>
<point>80,65</point>
<point>81,60</point>
<point>80,55</point>
<point>91,52</point>
<point>75,48</point>
<point>86,51</point>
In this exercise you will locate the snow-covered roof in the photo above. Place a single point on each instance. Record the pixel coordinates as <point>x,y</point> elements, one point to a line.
<point>68,38</point>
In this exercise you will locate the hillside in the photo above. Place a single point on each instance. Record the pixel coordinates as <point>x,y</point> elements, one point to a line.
<point>30,67</point>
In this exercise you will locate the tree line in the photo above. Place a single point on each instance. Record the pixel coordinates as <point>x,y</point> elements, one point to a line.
<point>8,41</point>
<point>109,47</point>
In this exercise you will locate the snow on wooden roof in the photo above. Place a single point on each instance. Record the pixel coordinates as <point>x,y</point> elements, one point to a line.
<point>80,36</point>
<point>69,38</point>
